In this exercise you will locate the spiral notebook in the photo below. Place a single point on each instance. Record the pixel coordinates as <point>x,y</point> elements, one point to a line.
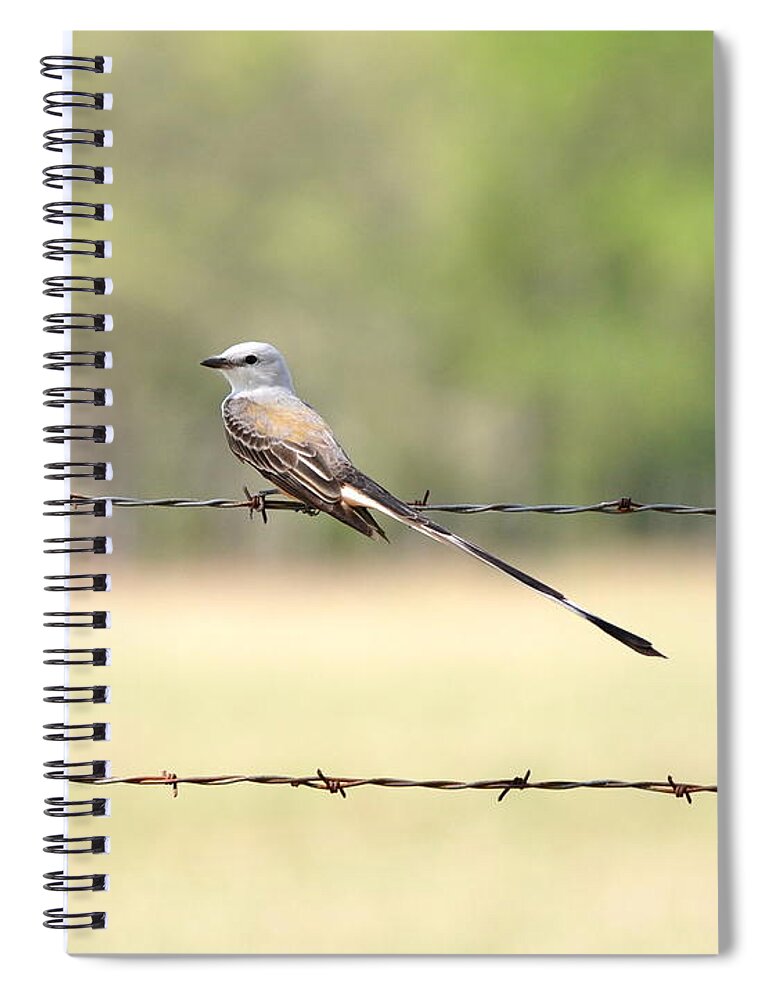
<point>314,292</point>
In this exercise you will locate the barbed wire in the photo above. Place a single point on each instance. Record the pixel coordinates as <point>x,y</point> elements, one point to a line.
<point>323,782</point>
<point>274,500</point>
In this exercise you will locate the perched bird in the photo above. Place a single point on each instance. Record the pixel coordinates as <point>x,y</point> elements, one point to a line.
<point>270,428</point>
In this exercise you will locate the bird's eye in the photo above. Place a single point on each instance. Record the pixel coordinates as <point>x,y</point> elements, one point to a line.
<point>251,359</point>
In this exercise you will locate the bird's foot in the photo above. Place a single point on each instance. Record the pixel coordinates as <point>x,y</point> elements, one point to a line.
<point>423,502</point>
<point>310,511</point>
<point>255,503</point>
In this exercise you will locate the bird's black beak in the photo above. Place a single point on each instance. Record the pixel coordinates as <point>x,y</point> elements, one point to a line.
<point>215,362</point>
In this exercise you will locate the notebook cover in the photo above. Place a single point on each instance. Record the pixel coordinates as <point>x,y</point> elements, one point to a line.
<point>487,259</point>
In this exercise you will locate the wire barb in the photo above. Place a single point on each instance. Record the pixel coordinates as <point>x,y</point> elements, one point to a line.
<point>516,783</point>
<point>680,789</point>
<point>171,780</point>
<point>274,500</point>
<point>256,504</point>
<point>334,785</point>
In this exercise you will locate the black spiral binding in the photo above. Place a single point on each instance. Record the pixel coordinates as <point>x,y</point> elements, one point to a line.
<point>59,249</point>
<point>63,178</point>
<point>54,66</point>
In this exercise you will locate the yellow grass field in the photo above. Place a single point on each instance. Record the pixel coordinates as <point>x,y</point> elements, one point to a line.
<point>421,670</point>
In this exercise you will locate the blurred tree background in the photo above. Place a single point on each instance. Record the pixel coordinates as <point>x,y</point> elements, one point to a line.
<point>487,257</point>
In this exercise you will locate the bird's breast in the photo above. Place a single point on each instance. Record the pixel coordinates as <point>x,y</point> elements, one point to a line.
<point>276,415</point>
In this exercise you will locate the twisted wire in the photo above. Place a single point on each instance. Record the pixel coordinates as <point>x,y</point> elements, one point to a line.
<point>323,782</point>
<point>274,500</point>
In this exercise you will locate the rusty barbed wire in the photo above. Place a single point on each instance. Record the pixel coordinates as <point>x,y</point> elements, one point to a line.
<point>268,500</point>
<point>338,785</point>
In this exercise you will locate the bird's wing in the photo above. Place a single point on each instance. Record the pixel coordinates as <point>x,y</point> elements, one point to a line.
<point>294,448</point>
<point>289,444</point>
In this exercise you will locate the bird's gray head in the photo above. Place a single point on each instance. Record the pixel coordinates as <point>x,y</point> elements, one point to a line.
<point>252,366</point>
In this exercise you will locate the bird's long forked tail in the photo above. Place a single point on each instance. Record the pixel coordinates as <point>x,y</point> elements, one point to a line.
<point>367,493</point>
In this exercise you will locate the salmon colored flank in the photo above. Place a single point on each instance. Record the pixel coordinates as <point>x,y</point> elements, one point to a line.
<point>299,425</point>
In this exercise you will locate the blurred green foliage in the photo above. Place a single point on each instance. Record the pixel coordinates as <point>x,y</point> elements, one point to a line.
<point>487,257</point>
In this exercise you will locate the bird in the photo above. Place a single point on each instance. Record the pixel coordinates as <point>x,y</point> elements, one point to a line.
<point>268,427</point>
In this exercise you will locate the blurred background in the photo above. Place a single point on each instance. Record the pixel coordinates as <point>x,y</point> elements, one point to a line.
<point>488,260</point>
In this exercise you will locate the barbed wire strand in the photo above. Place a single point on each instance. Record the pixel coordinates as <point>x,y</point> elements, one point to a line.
<point>323,782</point>
<point>273,500</point>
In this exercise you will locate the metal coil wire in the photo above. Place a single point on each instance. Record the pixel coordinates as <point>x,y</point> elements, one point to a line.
<point>54,67</point>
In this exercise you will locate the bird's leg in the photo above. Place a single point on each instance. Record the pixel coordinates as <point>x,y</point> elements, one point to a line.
<point>256,503</point>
